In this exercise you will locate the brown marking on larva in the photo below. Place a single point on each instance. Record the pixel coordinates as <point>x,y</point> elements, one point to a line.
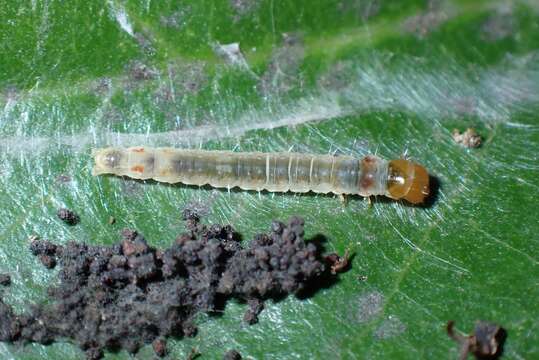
<point>368,169</point>
<point>138,168</point>
<point>138,150</point>
<point>368,160</point>
<point>366,181</point>
<point>150,162</point>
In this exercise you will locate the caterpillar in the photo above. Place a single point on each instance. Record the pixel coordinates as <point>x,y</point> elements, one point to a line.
<point>274,172</point>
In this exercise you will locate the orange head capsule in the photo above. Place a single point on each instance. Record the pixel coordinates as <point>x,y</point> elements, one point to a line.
<point>407,180</point>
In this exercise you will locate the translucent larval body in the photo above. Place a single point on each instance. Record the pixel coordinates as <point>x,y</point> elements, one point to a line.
<point>275,172</point>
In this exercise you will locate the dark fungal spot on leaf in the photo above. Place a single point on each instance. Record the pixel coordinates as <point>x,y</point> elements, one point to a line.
<point>127,295</point>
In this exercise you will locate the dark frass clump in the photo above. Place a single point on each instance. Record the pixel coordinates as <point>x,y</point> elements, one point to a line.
<point>232,355</point>
<point>68,216</point>
<point>130,294</point>
<point>5,280</point>
<point>159,347</point>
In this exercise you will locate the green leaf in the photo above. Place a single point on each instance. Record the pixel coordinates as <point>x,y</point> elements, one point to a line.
<point>352,77</point>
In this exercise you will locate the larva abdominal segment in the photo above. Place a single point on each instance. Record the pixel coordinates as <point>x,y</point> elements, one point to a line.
<point>275,172</point>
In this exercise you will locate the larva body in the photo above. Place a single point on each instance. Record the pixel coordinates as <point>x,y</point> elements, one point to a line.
<point>275,172</point>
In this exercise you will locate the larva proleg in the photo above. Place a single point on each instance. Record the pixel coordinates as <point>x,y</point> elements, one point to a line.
<point>275,172</point>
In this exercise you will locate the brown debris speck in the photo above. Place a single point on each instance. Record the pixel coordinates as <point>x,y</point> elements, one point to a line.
<point>470,138</point>
<point>194,354</point>
<point>486,342</point>
<point>362,278</point>
<point>338,263</point>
